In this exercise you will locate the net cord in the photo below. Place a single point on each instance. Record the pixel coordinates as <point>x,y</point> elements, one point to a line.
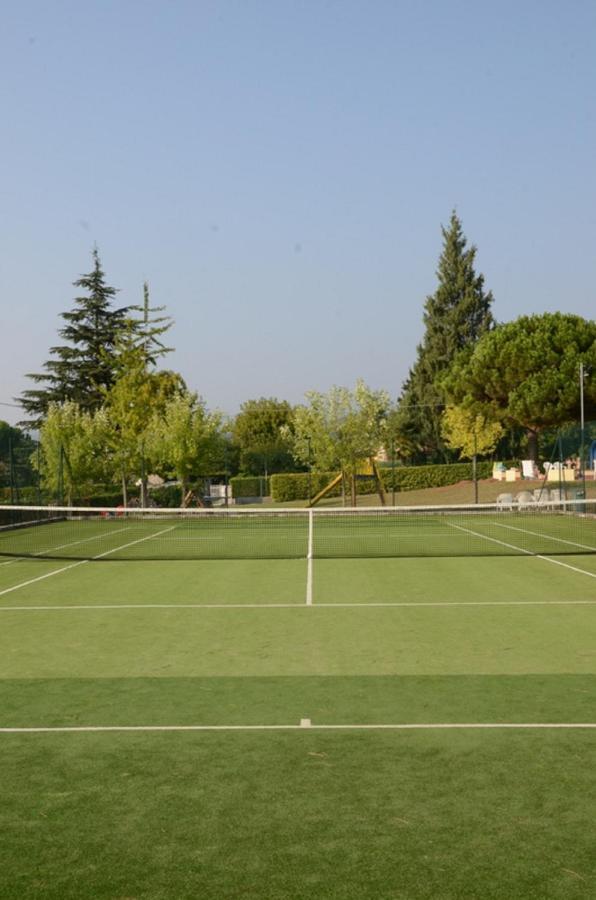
<point>121,511</point>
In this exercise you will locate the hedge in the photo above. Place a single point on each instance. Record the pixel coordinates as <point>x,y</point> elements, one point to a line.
<point>28,496</point>
<point>250,486</point>
<point>298,486</point>
<point>402,478</point>
<point>413,478</point>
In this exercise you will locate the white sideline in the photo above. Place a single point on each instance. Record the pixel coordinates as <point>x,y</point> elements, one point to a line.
<point>405,726</point>
<point>339,605</point>
<point>82,562</point>
<point>556,562</point>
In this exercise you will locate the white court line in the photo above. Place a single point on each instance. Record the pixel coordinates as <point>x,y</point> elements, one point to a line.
<point>547,537</point>
<point>405,726</point>
<point>339,605</point>
<point>62,546</point>
<point>309,557</point>
<point>309,568</point>
<point>556,562</point>
<point>82,562</point>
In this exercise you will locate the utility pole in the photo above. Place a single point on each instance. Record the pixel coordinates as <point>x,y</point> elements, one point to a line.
<point>475,467</point>
<point>582,426</point>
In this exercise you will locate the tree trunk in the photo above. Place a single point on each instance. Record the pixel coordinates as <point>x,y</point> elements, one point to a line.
<point>124,490</point>
<point>532,436</point>
<point>353,488</point>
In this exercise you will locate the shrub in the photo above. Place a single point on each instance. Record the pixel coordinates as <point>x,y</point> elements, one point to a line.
<point>401,478</point>
<point>168,496</point>
<point>250,486</point>
<point>412,478</point>
<point>28,496</point>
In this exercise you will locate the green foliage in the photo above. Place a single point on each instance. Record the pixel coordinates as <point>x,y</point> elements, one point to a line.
<point>339,429</point>
<point>148,329</point>
<point>27,494</point>
<point>295,486</point>
<point>72,457</point>
<point>526,372</point>
<point>186,438</point>
<point>16,449</point>
<point>131,409</point>
<point>455,317</point>
<point>250,486</point>
<point>84,368</point>
<point>412,478</point>
<point>169,496</point>
<point>81,369</point>
<point>405,478</point>
<point>472,433</point>
<point>258,432</point>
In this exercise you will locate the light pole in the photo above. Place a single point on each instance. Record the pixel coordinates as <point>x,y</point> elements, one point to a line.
<point>582,375</point>
<point>227,438</point>
<point>392,471</point>
<point>475,467</point>
<point>308,441</point>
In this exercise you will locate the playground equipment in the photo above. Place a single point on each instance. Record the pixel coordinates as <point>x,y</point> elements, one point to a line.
<point>364,469</point>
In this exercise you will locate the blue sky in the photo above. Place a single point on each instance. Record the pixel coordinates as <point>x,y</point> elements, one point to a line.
<point>279,172</point>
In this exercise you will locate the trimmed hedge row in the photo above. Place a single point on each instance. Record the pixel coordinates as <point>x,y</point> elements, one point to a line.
<point>28,496</point>
<point>250,486</point>
<point>295,486</point>
<point>413,478</point>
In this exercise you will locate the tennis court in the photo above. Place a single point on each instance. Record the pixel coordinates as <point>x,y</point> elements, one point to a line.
<point>347,704</point>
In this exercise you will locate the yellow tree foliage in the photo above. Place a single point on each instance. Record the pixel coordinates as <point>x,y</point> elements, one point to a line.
<point>469,432</point>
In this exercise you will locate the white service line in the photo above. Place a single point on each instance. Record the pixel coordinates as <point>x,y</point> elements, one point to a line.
<point>547,537</point>
<point>62,546</point>
<point>555,562</point>
<point>389,605</point>
<point>82,562</point>
<point>305,725</point>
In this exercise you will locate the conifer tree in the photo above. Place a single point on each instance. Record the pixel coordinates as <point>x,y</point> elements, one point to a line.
<point>83,367</point>
<point>455,317</point>
<point>147,329</point>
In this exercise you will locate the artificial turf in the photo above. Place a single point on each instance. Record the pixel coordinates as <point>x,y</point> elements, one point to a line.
<point>495,814</point>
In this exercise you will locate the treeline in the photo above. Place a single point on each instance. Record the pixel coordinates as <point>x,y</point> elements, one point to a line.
<point>107,412</point>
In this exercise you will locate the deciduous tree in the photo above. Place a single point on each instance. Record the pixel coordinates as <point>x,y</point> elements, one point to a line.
<point>73,451</point>
<point>259,430</point>
<point>340,429</point>
<point>470,432</point>
<point>131,405</point>
<point>186,438</point>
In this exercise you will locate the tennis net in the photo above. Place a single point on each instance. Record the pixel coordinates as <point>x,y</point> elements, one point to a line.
<point>548,529</point>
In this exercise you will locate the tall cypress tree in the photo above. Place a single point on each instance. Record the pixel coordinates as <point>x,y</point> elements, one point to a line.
<point>455,317</point>
<point>83,367</point>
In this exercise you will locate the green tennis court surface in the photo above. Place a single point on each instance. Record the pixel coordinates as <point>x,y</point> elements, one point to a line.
<point>281,669</point>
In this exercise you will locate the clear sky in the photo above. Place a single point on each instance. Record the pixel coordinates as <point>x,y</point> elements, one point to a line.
<point>279,172</point>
